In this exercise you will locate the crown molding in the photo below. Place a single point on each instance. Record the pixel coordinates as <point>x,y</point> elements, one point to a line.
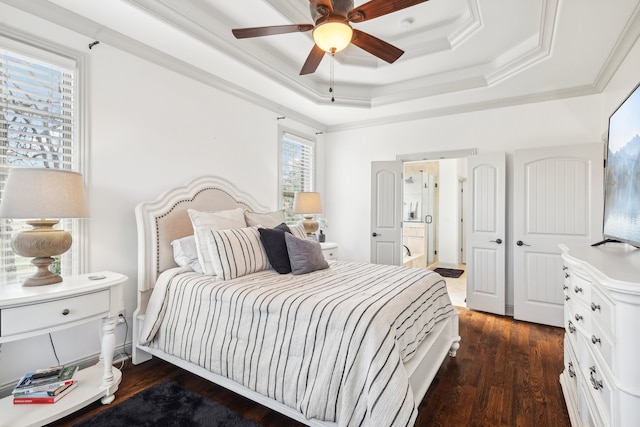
<point>389,95</point>
<point>91,29</point>
<point>468,108</point>
<point>623,46</point>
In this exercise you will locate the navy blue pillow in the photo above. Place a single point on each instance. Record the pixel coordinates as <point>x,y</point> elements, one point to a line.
<point>276,247</point>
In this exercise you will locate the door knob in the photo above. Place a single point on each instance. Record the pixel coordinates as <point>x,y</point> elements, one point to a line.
<point>521,243</point>
<point>374,234</point>
<point>498,241</point>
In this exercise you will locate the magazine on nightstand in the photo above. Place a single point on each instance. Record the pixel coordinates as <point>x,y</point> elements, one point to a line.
<point>29,384</point>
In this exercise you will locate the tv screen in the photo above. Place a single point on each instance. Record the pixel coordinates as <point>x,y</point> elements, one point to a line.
<point>622,173</point>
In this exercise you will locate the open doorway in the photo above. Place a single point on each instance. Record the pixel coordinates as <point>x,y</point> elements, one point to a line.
<point>433,209</point>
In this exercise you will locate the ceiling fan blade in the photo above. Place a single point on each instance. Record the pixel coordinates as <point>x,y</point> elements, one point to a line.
<point>243,33</point>
<point>376,8</point>
<point>323,7</point>
<point>313,60</point>
<point>375,46</point>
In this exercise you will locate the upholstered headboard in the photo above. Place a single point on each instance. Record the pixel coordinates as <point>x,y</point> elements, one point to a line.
<point>165,219</point>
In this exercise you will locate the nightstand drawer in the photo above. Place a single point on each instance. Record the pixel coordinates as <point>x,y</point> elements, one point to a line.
<point>47,315</point>
<point>329,250</point>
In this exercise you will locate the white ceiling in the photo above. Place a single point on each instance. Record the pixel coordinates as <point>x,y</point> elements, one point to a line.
<point>460,55</point>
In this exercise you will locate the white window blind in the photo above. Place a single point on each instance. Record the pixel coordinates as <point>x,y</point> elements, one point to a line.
<point>297,169</point>
<point>37,128</point>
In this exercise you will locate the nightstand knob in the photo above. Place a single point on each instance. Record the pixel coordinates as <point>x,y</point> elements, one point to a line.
<point>65,312</point>
<point>594,339</point>
<point>577,289</point>
<point>595,307</point>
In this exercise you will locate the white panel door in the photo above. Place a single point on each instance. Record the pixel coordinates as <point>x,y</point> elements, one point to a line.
<point>558,196</point>
<point>386,212</point>
<point>486,233</point>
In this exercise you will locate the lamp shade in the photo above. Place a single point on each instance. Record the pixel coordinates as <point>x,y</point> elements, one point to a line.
<point>307,203</point>
<point>43,193</point>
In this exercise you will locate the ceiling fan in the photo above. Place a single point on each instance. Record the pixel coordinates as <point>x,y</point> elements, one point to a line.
<point>332,31</point>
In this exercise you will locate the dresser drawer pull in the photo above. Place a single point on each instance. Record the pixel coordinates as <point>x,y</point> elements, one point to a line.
<point>578,317</point>
<point>567,297</point>
<point>572,328</point>
<point>597,385</point>
<point>566,275</point>
<point>594,339</point>
<point>577,289</point>
<point>565,287</point>
<point>595,306</point>
<point>572,372</point>
<point>65,312</point>
<point>564,267</point>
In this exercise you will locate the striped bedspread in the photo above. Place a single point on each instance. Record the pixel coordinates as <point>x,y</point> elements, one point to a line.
<point>330,343</point>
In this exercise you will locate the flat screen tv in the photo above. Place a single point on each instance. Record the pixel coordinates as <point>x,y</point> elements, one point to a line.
<point>622,173</point>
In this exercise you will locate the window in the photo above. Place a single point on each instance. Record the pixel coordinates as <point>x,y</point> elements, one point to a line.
<point>38,128</point>
<point>297,170</point>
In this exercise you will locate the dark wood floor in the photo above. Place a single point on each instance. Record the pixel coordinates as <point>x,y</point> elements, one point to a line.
<point>505,374</point>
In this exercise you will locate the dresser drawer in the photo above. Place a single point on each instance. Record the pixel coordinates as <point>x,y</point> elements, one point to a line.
<point>599,388</point>
<point>602,345</point>
<point>47,315</point>
<point>579,287</point>
<point>579,315</point>
<point>570,365</point>
<point>602,312</point>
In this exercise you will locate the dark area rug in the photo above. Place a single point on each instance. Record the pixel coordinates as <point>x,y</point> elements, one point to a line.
<point>167,404</point>
<point>454,273</point>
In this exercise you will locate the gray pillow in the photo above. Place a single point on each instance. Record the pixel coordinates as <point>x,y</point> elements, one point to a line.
<point>305,255</point>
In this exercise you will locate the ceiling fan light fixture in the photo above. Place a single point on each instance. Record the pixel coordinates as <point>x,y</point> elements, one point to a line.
<point>333,36</point>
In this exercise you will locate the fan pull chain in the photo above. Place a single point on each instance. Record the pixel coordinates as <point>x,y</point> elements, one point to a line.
<point>331,77</point>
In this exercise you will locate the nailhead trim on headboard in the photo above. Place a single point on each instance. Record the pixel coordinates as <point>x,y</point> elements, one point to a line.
<point>195,196</point>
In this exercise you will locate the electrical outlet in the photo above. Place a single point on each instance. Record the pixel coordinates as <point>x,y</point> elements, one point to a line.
<point>122,316</point>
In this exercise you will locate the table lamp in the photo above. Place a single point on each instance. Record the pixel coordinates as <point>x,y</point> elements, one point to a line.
<point>308,204</point>
<point>43,193</point>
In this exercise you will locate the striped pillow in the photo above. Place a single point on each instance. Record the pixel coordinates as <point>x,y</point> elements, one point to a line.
<point>236,252</point>
<point>298,231</point>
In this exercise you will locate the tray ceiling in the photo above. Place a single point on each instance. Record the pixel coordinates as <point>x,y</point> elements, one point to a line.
<point>460,55</point>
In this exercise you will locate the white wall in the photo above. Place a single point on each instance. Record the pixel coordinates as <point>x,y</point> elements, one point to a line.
<point>149,129</point>
<point>563,122</point>
<point>555,123</point>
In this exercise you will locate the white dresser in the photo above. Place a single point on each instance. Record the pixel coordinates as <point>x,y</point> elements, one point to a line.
<point>601,377</point>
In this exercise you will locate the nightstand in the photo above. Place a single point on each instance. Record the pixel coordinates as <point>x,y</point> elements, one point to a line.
<point>29,311</point>
<point>329,250</point>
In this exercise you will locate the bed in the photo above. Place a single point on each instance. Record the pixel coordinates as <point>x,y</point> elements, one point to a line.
<point>290,342</point>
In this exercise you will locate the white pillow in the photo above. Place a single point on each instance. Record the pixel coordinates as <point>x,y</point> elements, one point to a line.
<point>206,222</point>
<point>185,253</point>
<point>265,220</point>
<point>237,252</point>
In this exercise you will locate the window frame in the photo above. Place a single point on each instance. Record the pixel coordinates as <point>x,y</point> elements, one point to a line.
<point>45,50</point>
<point>300,138</point>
